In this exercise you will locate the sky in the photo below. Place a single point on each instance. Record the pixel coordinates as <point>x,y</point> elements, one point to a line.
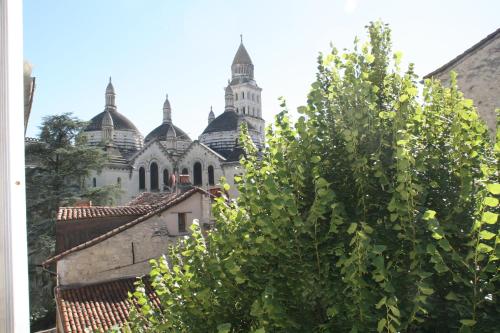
<point>185,48</point>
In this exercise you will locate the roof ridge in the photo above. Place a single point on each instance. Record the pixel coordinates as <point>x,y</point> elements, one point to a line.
<point>471,49</point>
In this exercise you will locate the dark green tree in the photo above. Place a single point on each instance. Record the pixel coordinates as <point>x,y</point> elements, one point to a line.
<point>57,165</point>
<point>375,212</point>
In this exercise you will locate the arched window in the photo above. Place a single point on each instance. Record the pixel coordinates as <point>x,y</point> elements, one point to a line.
<point>153,169</point>
<point>243,110</point>
<point>236,96</point>
<point>211,175</point>
<point>94,182</point>
<point>242,95</point>
<point>165,177</point>
<point>198,180</point>
<point>185,171</point>
<point>119,181</point>
<point>142,179</point>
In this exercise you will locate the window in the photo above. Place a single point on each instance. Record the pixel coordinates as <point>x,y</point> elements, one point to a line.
<point>198,180</point>
<point>165,177</point>
<point>236,96</point>
<point>185,171</point>
<point>142,178</point>
<point>211,175</point>
<point>119,181</point>
<point>243,110</point>
<point>154,176</point>
<point>253,97</point>
<point>181,222</point>
<point>242,95</point>
<point>94,182</point>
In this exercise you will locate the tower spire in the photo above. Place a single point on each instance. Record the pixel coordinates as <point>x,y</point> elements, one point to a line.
<point>110,96</point>
<point>167,111</point>
<point>241,38</point>
<point>211,115</point>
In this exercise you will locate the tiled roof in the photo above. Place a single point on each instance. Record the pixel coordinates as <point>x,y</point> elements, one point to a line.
<point>157,209</point>
<point>150,198</point>
<point>78,213</point>
<point>98,306</point>
<point>470,50</point>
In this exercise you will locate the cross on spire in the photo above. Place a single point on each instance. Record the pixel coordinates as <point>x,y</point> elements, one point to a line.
<point>241,38</point>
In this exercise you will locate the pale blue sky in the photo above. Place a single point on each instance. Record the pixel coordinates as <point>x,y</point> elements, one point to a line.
<point>185,49</point>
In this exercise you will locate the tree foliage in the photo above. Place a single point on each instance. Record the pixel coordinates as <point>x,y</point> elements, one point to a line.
<point>375,212</point>
<point>57,164</point>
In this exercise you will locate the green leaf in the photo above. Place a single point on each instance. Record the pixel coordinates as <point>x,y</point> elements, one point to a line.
<point>381,302</point>
<point>381,325</point>
<point>226,187</point>
<point>260,330</point>
<point>352,228</point>
<point>315,159</point>
<point>485,234</point>
<point>489,217</point>
<point>224,328</point>
<point>491,202</point>
<point>451,296</point>
<point>426,291</point>
<point>395,310</point>
<point>468,322</point>
<point>493,188</point>
<point>483,248</point>
<point>429,215</point>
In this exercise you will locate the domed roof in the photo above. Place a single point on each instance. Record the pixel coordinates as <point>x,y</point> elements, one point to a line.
<point>227,121</point>
<point>120,122</point>
<point>242,57</point>
<point>167,130</point>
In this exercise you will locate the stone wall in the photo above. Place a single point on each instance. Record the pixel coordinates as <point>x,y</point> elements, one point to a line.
<point>127,253</point>
<point>478,76</point>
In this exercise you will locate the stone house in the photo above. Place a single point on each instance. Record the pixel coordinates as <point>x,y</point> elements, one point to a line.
<point>102,250</point>
<point>478,76</point>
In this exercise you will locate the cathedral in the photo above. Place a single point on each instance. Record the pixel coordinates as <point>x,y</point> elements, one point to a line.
<point>152,164</point>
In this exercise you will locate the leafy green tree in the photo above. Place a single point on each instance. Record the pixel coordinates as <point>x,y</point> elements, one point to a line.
<point>375,212</point>
<point>57,165</point>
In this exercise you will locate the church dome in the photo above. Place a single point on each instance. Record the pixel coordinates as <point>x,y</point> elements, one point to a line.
<point>167,131</point>
<point>120,122</point>
<point>227,121</point>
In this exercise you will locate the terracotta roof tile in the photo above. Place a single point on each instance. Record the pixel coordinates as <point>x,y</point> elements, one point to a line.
<point>97,306</point>
<point>79,213</point>
<point>151,199</point>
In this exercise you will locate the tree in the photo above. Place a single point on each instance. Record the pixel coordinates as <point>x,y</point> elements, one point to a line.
<point>376,211</point>
<point>58,163</point>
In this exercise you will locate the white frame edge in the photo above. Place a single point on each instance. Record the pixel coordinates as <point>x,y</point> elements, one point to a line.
<point>14,299</point>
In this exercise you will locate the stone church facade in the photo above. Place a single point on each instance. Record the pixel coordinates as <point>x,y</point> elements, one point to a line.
<point>152,164</point>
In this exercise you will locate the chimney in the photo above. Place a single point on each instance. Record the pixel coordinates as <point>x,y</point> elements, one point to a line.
<point>184,183</point>
<point>83,203</point>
